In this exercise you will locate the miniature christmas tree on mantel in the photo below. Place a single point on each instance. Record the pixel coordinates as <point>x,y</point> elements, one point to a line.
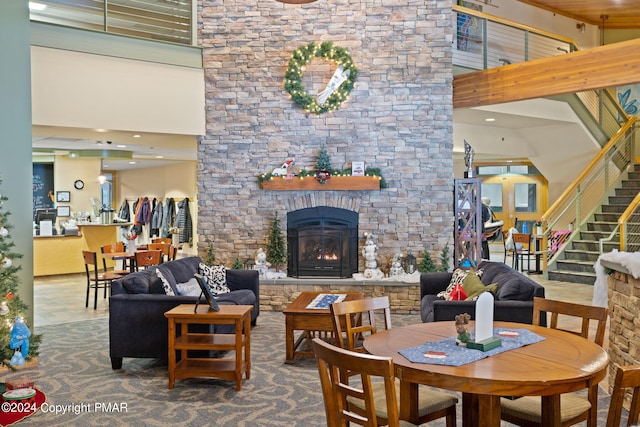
<point>17,344</point>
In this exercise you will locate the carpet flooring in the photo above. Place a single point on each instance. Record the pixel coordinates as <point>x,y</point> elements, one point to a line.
<point>75,373</point>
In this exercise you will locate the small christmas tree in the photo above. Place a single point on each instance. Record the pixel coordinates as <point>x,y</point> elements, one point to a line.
<point>210,256</point>
<point>276,253</point>
<point>323,162</point>
<point>20,347</point>
<point>426,264</point>
<point>323,166</point>
<point>237,264</point>
<point>444,259</point>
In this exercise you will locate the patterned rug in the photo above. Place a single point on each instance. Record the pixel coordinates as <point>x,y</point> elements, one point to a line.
<point>75,372</point>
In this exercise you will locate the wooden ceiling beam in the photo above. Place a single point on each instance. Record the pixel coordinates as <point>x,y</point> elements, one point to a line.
<point>598,68</point>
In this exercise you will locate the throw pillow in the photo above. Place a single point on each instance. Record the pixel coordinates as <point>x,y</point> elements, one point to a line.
<point>457,278</point>
<point>458,294</point>
<point>165,284</point>
<point>216,277</point>
<point>190,288</point>
<point>474,287</point>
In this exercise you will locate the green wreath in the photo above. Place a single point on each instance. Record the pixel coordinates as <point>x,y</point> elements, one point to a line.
<point>300,58</point>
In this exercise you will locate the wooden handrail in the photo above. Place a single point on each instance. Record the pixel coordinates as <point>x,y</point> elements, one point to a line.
<point>571,188</point>
<point>498,20</point>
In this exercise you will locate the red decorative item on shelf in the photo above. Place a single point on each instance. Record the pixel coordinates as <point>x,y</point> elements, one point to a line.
<point>323,176</point>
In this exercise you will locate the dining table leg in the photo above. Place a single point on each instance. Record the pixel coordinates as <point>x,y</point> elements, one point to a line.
<point>480,410</point>
<point>409,402</point>
<point>551,410</point>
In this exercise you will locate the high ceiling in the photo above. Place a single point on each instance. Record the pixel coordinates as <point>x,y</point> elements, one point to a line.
<point>621,14</point>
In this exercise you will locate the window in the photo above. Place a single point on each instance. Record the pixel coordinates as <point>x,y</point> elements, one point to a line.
<point>526,196</point>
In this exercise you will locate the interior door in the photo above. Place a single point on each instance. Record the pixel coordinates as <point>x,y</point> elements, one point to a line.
<point>521,197</point>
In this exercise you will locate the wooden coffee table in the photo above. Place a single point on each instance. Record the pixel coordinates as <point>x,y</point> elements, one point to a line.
<point>309,320</point>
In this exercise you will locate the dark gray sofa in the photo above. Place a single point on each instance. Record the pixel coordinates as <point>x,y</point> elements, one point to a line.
<point>137,326</point>
<point>513,298</point>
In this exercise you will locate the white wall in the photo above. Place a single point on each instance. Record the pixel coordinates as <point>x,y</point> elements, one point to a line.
<point>79,90</point>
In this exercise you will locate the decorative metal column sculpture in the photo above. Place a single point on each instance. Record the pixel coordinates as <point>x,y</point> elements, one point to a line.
<point>468,216</point>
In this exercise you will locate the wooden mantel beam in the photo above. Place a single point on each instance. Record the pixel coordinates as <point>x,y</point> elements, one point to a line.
<point>598,68</point>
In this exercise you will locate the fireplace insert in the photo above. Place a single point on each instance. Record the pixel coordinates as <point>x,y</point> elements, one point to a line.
<point>322,242</point>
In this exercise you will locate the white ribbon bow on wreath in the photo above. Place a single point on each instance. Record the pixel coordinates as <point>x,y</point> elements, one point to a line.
<point>339,76</point>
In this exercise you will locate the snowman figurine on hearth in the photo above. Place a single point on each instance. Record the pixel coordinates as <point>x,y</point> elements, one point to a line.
<point>261,263</point>
<point>370,252</point>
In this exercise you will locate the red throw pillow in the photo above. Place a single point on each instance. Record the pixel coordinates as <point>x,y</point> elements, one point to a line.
<point>458,293</point>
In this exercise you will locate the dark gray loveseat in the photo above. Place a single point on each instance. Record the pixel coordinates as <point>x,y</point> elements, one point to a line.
<point>137,326</point>
<point>513,298</point>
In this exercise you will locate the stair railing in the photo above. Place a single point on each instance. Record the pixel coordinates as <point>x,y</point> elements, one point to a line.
<point>585,194</point>
<point>629,229</point>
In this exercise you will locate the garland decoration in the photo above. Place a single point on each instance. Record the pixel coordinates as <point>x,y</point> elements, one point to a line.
<point>337,89</point>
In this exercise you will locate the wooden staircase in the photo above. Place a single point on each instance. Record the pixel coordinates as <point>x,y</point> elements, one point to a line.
<point>578,258</point>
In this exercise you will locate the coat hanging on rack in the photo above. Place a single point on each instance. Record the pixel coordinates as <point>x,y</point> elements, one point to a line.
<point>156,218</point>
<point>168,217</point>
<point>183,222</point>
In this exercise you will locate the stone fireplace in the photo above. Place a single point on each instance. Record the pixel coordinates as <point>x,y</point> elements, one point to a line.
<point>322,242</point>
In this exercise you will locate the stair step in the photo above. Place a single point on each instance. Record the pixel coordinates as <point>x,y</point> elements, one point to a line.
<point>631,183</point>
<point>602,226</point>
<point>572,254</point>
<point>572,277</point>
<point>595,235</point>
<point>575,266</point>
<point>594,245</point>
<point>620,200</point>
<point>633,175</point>
<point>614,208</point>
<point>627,191</point>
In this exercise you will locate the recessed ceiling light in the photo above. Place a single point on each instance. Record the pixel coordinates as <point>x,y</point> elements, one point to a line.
<point>132,163</point>
<point>37,6</point>
<point>509,161</point>
<point>490,119</point>
<point>159,157</point>
<point>121,146</point>
<point>100,130</point>
<point>137,136</point>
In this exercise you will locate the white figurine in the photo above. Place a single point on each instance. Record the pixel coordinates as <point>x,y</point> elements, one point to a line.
<point>370,252</point>
<point>261,263</point>
<point>396,266</point>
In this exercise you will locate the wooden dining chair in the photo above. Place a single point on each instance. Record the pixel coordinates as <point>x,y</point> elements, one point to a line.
<point>163,247</point>
<point>353,321</point>
<point>627,377</point>
<point>148,258</point>
<point>165,240</point>
<point>112,248</point>
<point>522,242</point>
<point>332,361</point>
<point>96,280</point>
<point>173,253</point>
<point>527,411</point>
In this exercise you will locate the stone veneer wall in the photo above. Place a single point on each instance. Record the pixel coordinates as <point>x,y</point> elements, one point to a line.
<point>398,118</point>
<point>403,298</point>
<point>624,323</point>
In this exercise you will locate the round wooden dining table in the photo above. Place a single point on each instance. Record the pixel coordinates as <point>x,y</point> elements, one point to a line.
<point>561,363</point>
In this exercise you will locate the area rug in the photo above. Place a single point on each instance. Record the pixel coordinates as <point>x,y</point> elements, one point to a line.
<point>74,370</point>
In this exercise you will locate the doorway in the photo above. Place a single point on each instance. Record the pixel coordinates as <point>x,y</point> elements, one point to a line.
<point>518,192</point>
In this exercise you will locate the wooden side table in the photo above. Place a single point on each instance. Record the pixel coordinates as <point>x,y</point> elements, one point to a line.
<point>299,317</point>
<point>181,339</point>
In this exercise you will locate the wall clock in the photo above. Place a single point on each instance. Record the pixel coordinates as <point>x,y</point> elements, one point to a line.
<point>79,184</point>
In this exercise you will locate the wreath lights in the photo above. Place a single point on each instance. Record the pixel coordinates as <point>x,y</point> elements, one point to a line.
<point>301,57</point>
